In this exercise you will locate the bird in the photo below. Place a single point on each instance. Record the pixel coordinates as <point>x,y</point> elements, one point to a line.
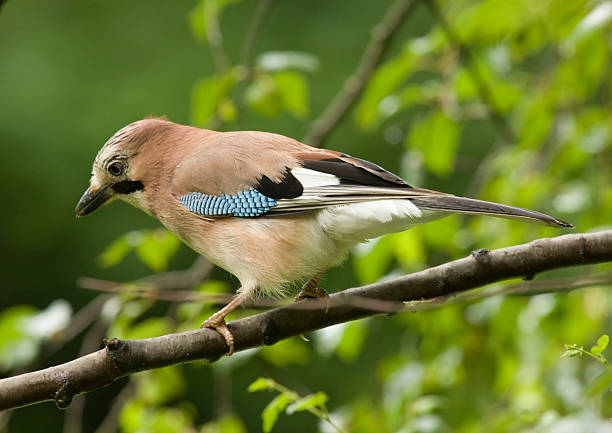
<point>272,211</point>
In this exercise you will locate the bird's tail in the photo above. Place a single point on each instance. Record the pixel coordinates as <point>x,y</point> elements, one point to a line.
<point>472,206</point>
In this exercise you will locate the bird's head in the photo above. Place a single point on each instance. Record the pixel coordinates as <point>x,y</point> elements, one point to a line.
<point>119,168</point>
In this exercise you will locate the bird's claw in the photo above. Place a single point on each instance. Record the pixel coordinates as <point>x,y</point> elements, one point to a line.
<point>219,325</point>
<point>311,292</point>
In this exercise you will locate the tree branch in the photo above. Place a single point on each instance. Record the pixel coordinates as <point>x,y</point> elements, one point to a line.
<point>381,36</point>
<point>146,291</point>
<point>122,357</point>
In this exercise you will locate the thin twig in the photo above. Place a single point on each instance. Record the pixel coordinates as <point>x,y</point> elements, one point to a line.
<point>215,40</point>
<point>196,274</point>
<point>221,299</point>
<point>527,288</point>
<point>247,60</point>
<point>5,416</point>
<point>380,39</point>
<point>252,34</point>
<point>142,290</point>
<point>83,318</point>
<point>123,357</point>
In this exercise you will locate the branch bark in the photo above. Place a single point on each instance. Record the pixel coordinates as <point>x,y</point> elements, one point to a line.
<point>381,36</point>
<point>123,357</point>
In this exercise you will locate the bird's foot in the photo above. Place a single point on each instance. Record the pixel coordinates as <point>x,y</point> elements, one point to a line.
<point>308,292</point>
<point>311,290</point>
<point>218,324</point>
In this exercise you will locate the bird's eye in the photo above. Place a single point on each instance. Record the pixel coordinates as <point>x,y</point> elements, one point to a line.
<point>116,169</point>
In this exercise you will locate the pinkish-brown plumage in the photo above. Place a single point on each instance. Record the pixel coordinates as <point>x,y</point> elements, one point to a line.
<point>320,203</point>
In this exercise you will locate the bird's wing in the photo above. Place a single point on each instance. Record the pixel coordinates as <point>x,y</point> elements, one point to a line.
<point>332,178</point>
<point>253,174</point>
<point>250,174</point>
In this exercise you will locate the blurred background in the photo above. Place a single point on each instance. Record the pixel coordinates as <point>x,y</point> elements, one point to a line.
<point>503,100</point>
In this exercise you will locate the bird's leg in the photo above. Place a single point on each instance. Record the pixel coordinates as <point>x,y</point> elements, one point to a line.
<point>311,289</point>
<point>217,321</point>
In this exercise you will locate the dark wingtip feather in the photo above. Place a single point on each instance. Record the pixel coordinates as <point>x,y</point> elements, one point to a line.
<point>561,223</point>
<point>473,206</point>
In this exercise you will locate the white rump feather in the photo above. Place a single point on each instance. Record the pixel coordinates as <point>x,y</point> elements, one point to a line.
<point>367,220</point>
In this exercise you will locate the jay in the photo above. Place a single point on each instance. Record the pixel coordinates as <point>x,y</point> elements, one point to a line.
<point>267,208</point>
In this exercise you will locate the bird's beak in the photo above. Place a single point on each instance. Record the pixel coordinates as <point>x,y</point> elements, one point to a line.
<point>93,199</point>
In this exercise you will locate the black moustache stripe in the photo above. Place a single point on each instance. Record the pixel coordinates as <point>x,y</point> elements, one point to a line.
<point>128,186</point>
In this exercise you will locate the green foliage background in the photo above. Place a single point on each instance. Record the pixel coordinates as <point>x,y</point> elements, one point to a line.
<point>520,114</point>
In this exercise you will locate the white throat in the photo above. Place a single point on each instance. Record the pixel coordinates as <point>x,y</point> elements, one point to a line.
<point>138,200</point>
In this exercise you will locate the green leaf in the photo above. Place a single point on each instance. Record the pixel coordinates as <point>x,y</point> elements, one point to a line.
<point>286,352</point>
<point>227,110</point>
<point>167,420</point>
<point>572,350</point>
<point>208,96</point>
<point>151,327</point>
<point>270,94</point>
<point>203,12</point>
<point>273,409</point>
<point>157,248</point>
<point>263,97</point>
<point>13,321</point>
<point>428,404</point>
<point>231,424</point>
<point>506,94</point>
<point>352,341</point>
<point>261,384</point>
<point>156,387</point>
<point>308,402</point>
<point>437,136</point>
<point>132,415</point>
<point>197,21</point>
<point>17,347</point>
<point>437,234</point>
<point>154,248</point>
<point>409,249</point>
<point>373,259</point>
<point>293,91</point>
<point>474,23</point>
<point>537,122</point>
<point>114,253</point>
<point>602,343</point>
<point>226,424</point>
<point>129,312</point>
<point>386,80</point>
<point>138,417</point>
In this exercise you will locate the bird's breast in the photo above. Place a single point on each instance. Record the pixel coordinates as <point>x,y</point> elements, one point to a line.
<point>268,252</point>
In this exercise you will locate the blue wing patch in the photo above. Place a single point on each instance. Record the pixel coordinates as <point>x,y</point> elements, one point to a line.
<point>249,203</point>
